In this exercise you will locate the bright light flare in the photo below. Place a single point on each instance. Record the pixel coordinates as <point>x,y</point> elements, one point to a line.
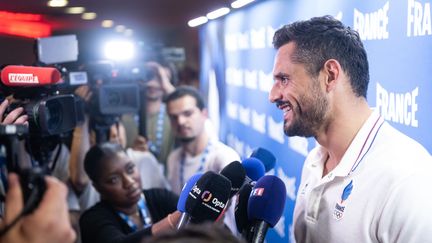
<point>119,50</point>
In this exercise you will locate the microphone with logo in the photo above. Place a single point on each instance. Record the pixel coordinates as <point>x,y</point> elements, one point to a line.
<point>266,205</point>
<point>266,157</point>
<point>208,198</point>
<point>181,204</point>
<point>27,76</point>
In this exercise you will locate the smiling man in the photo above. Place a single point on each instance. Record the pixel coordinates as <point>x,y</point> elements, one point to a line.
<point>365,181</point>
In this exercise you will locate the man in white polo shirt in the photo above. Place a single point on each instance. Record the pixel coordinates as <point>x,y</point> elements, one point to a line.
<point>366,181</point>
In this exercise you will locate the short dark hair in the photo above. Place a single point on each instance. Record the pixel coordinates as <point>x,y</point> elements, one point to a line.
<point>322,38</point>
<point>95,157</point>
<point>184,90</point>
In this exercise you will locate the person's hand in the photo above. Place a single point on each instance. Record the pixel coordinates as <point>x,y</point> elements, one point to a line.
<point>165,77</point>
<point>14,117</point>
<point>84,92</point>
<point>140,144</point>
<point>49,222</point>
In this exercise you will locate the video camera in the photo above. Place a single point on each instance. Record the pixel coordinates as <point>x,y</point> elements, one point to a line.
<point>50,116</point>
<point>114,93</point>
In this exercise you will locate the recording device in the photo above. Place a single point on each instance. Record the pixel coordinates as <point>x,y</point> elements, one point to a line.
<point>114,93</point>
<point>254,168</point>
<point>235,172</point>
<point>181,204</point>
<point>266,205</point>
<point>208,198</point>
<point>266,157</point>
<point>31,179</point>
<point>32,88</point>
<point>50,115</point>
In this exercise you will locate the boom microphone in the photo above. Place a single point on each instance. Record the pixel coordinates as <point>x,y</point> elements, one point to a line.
<point>181,204</point>
<point>27,76</point>
<point>266,205</point>
<point>266,157</point>
<point>235,172</point>
<point>208,198</point>
<point>254,168</point>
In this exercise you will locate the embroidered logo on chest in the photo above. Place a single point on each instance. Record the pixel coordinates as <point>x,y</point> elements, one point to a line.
<point>340,206</point>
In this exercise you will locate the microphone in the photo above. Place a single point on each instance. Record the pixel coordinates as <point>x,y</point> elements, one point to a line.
<point>235,172</point>
<point>241,217</point>
<point>181,204</point>
<point>266,157</point>
<point>208,198</point>
<point>27,76</point>
<point>266,205</point>
<point>254,168</point>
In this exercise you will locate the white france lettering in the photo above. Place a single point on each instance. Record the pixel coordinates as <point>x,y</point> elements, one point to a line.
<point>398,107</point>
<point>374,25</point>
<point>418,19</point>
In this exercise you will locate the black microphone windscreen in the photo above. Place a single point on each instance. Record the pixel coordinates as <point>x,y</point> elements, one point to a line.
<point>208,198</point>
<point>241,216</point>
<point>235,172</point>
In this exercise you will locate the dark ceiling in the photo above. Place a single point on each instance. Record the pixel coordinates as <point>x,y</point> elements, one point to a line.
<point>161,21</point>
<point>131,13</point>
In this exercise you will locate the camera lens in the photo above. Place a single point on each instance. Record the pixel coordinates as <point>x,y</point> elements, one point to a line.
<point>54,115</point>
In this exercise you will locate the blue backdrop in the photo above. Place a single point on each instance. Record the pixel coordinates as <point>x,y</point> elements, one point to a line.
<point>236,74</point>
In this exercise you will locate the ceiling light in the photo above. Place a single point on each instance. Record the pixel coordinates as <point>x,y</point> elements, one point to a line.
<point>57,3</point>
<point>218,13</point>
<point>107,23</point>
<point>197,21</point>
<point>75,10</point>
<point>240,3</point>
<point>88,16</point>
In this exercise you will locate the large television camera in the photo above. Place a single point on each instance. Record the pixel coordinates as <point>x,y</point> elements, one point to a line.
<point>50,116</point>
<point>32,150</point>
<point>114,92</point>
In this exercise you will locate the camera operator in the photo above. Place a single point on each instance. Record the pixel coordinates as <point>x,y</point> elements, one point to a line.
<point>49,222</point>
<point>159,138</point>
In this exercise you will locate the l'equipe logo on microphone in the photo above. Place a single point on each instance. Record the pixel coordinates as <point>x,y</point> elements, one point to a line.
<point>23,78</point>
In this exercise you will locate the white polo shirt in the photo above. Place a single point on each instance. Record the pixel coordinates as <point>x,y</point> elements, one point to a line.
<point>379,192</point>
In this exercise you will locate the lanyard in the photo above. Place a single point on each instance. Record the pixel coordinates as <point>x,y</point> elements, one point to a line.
<point>201,167</point>
<point>156,145</point>
<point>370,139</point>
<point>144,215</point>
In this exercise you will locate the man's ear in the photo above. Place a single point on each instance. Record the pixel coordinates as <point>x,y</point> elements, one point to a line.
<point>205,112</point>
<point>332,70</point>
